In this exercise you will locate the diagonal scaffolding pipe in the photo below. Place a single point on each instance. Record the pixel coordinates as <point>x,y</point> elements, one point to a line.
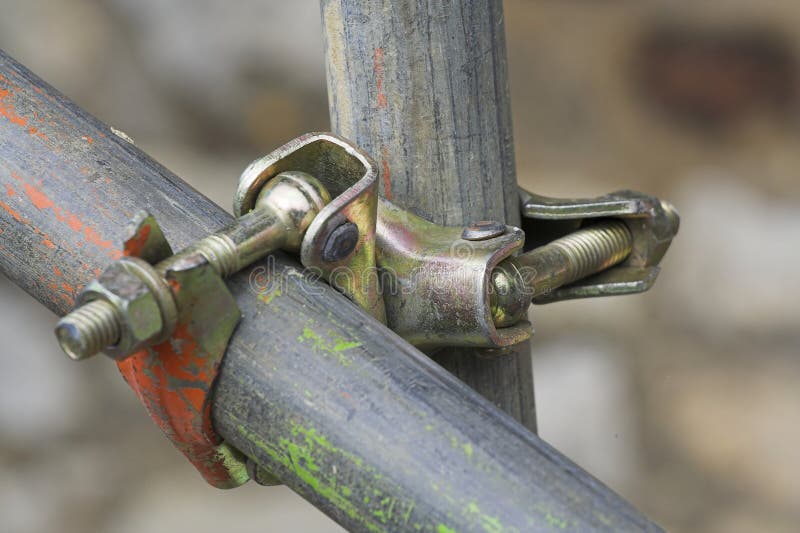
<point>339,408</point>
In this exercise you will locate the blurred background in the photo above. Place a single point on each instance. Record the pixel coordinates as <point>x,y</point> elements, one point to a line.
<point>686,400</point>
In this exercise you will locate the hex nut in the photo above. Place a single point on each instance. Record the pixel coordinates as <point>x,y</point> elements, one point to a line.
<point>140,317</point>
<point>341,243</point>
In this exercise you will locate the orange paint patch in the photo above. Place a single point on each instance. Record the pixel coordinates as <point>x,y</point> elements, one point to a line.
<point>12,212</point>
<point>37,197</point>
<point>377,63</point>
<point>88,139</point>
<point>7,110</point>
<point>74,223</point>
<point>68,287</point>
<point>41,201</point>
<point>387,184</point>
<point>10,190</point>
<point>47,242</point>
<point>95,238</point>
<point>67,298</point>
<point>57,271</point>
<point>174,285</point>
<point>135,246</point>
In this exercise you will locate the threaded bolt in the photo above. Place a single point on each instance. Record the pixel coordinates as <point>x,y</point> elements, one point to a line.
<point>516,281</point>
<point>219,251</point>
<point>594,249</point>
<point>88,329</point>
<point>285,208</point>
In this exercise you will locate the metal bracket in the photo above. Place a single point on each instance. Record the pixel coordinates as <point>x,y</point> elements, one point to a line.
<point>167,318</point>
<point>437,285</point>
<point>173,379</point>
<point>344,257</point>
<point>652,223</point>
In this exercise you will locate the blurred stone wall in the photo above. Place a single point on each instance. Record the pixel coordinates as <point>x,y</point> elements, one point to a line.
<point>685,399</point>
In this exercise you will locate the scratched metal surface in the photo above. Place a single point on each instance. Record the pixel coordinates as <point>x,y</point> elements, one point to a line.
<point>342,410</point>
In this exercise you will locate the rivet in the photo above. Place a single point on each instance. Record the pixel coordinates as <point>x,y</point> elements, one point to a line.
<point>483,229</point>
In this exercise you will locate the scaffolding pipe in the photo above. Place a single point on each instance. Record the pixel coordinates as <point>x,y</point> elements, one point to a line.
<point>338,407</point>
<point>423,86</point>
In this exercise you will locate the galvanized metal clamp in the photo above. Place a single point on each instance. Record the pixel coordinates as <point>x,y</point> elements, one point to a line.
<point>167,318</point>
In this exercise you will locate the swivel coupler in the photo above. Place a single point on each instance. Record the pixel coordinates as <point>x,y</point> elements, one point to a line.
<point>131,306</point>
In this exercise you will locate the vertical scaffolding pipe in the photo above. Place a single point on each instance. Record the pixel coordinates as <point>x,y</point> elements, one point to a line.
<point>423,87</point>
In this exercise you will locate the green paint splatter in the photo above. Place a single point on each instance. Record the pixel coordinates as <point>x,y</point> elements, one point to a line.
<point>307,453</point>
<point>384,514</point>
<point>342,345</point>
<point>371,504</point>
<point>300,457</point>
<point>467,449</point>
<point>331,344</point>
<point>555,522</point>
<point>551,519</point>
<point>604,519</point>
<point>490,524</point>
<point>234,463</point>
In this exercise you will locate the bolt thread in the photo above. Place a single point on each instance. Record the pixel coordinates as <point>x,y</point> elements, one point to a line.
<point>95,326</point>
<point>563,261</point>
<point>88,329</point>
<point>594,248</point>
<point>221,253</point>
<point>219,250</point>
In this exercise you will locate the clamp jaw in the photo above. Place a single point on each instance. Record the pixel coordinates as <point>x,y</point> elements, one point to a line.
<point>652,223</point>
<point>167,317</point>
